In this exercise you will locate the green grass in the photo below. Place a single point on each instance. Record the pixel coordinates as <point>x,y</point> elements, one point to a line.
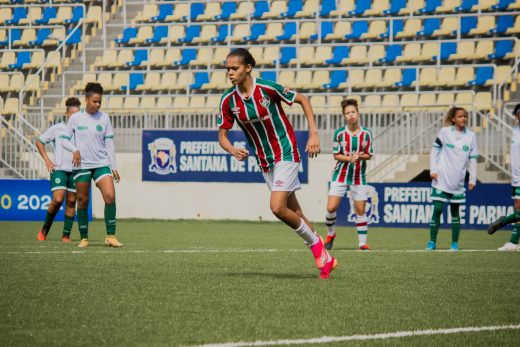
<point>55,294</point>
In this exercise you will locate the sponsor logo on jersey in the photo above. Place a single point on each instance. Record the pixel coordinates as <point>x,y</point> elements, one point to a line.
<point>82,127</point>
<point>235,110</point>
<point>371,207</point>
<point>162,153</point>
<point>258,119</point>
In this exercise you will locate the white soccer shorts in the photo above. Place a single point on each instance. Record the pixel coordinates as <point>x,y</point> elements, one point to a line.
<point>359,193</point>
<point>283,177</point>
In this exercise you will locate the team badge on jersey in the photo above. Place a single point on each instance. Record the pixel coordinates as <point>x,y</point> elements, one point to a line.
<point>265,101</point>
<point>162,152</point>
<point>371,208</point>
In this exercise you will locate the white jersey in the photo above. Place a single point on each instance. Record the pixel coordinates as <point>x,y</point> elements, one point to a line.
<point>515,157</point>
<point>93,137</point>
<point>452,154</point>
<point>62,157</point>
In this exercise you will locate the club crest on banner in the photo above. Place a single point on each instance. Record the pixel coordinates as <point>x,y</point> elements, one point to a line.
<point>162,152</point>
<point>371,208</point>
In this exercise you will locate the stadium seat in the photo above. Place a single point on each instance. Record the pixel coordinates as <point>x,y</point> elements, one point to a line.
<point>174,34</point>
<point>464,49</point>
<point>22,58</point>
<point>10,106</point>
<point>94,15</point>
<point>126,36</point>
<point>341,29</point>
<point>244,11</point>
<point>16,83</point>
<point>336,78</point>
<point>395,26</point>
<point>124,56</point>
<point>390,103</point>
<point>268,75</point>
<point>408,76</point>
<point>321,54</point>
<point>7,58</point>
<point>372,78</point>
<point>338,54</point>
<point>272,31</point>
<point>187,55</point>
<point>180,11</point>
<point>319,103</point>
<point>378,8</point>
<point>212,9</point>
<point>288,78</point>
<point>41,37</point>
<point>289,32</point>
<point>445,76</point>
<point>151,80</point>
<point>409,101</point>
<point>358,55</point>
<point>309,9</point>
<point>303,51</point>
<point>358,29</point>
<point>109,56</point>
<point>484,101</point>
<point>19,13</point>
<point>5,14</point>
<point>219,56</point>
<point>392,52</point>
<point>4,82</point>
<point>140,58</point>
<point>515,29</point>
<point>467,24</point>
<point>240,31</point>
<point>28,35</point>
<point>371,103</point>
<point>430,25</point>
<point>144,33</point>
<point>307,29</point>
<point>391,77</point>
<point>411,52</point>
<point>64,13</point>
<point>503,74</point>
<point>464,75</point>
<point>257,29</point>
<point>149,11</point>
<point>448,6</point>
<point>325,28</point>
<point>445,100</point>
<point>32,83</point>
<point>120,80</point>
<point>164,11</point>
<point>484,25</point>
<point>53,61</point>
<point>430,6</point>
<point>293,7</point>
<point>427,77</point>
<point>449,26</point>
<point>412,7</point>
<point>192,31</point>
<point>427,100</point>
<point>223,32</point>
<point>168,81</point>
<point>429,51</point>
<point>37,60</point>
<point>375,30</point>
<point>164,103</point>
<point>218,80</point>
<point>502,4</point>
<point>482,51</point>
<point>34,14</point>
<point>228,8</point>
<point>80,84</point>
<point>343,9</point>
<point>77,15</point>
<point>197,104</point>
<point>502,48</point>
<point>207,33</point>
<point>411,27</point>
<point>375,53</point>
<point>156,58</point>
<point>115,104</point>
<point>261,7</point>
<point>180,104</point>
<point>276,9</point>
<point>503,24</point>
<point>105,79</point>
<point>148,103</point>
<point>482,75</point>
<point>132,103</point>
<point>184,79</point>
<point>354,77</point>
<point>204,56</point>
<point>171,57</point>
<point>360,8</point>
<point>467,6</point>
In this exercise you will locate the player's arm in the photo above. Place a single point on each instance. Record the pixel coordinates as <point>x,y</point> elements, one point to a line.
<point>111,150</point>
<point>41,149</point>
<point>239,153</point>
<point>342,157</point>
<point>472,165</point>
<point>67,143</point>
<point>313,144</point>
<point>434,158</point>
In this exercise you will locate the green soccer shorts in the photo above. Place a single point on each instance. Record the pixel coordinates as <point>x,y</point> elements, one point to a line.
<point>62,180</point>
<point>85,175</point>
<point>516,193</point>
<point>439,195</point>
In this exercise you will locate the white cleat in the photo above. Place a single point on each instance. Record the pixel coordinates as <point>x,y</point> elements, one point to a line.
<point>509,246</point>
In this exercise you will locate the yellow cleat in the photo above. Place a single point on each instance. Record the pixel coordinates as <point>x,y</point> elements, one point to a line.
<point>83,243</point>
<point>111,241</point>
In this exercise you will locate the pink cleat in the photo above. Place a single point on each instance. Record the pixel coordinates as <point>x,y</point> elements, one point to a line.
<point>327,269</point>
<point>41,235</point>
<point>320,254</point>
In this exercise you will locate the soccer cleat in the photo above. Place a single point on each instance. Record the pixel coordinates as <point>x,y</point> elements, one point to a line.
<point>65,238</point>
<point>454,246</point>
<point>329,241</point>
<point>509,246</point>
<point>319,253</point>
<point>327,269</point>
<point>430,246</point>
<point>111,241</point>
<point>496,225</point>
<point>41,236</point>
<point>83,243</point>
<point>364,247</point>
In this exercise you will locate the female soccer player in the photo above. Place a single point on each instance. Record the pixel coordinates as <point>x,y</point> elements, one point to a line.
<point>352,148</point>
<point>93,157</point>
<point>512,245</point>
<point>62,179</point>
<point>454,151</point>
<point>256,106</point>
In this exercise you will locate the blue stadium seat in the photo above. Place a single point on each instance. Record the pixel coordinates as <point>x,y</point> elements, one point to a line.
<point>326,28</point>
<point>260,8</point>
<point>429,26</point>
<point>14,2</point>
<point>397,27</point>
<point>268,75</point>
<point>361,7</point>
<point>41,36</point>
<point>430,6</point>
<point>223,32</point>
<point>77,14</point>
<point>13,35</point>
<point>228,8</point>
<point>502,48</point>
<point>392,52</point>
<point>336,78</point>
<point>286,54</point>
<point>48,14</point>
<point>408,77</point>
<point>466,24</point>
<point>503,23</point>
<point>192,32</point>
<point>502,5</point>
<point>187,55</point>
<point>327,6</point>
<point>128,33</point>
<point>75,38</point>
<point>395,7</point>
<point>466,5</point>
<point>288,32</point>
<point>21,59</point>
<point>257,29</point>
<point>447,49</point>
<point>18,14</point>
<point>338,54</point>
<point>201,78</point>
<point>140,55</point>
<point>482,74</point>
<point>135,79</point>
<point>165,10</point>
<point>159,33</point>
<point>358,29</point>
<point>195,9</point>
<point>293,7</point>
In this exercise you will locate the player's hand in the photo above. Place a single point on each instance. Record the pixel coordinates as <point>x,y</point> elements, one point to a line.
<point>76,158</point>
<point>471,186</point>
<point>240,154</point>
<point>434,176</point>
<point>313,147</point>
<point>115,176</point>
<point>50,165</point>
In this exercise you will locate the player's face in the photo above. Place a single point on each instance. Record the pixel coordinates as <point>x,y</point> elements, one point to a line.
<point>518,116</point>
<point>351,114</point>
<point>93,104</point>
<point>71,110</point>
<point>237,70</point>
<point>461,119</point>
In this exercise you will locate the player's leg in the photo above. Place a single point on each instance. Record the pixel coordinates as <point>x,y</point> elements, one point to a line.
<point>105,183</point>
<point>439,198</point>
<point>455,226</point>
<point>512,244</point>
<point>360,197</point>
<point>336,193</point>
<point>57,199</point>
<point>70,211</point>
<point>82,180</point>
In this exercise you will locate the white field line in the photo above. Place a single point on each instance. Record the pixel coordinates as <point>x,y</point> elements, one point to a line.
<point>382,336</point>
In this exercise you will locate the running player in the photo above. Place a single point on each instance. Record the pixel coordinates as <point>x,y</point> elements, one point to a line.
<point>62,180</point>
<point>512,245</point>
<point>93,157</point>
<point>255,104</point>
<point>454,151</point>
<point>352,148</point>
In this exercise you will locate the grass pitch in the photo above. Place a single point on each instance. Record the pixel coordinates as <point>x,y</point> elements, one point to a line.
<point>190,282</point>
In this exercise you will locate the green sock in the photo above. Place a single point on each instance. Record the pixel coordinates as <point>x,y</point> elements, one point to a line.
<point>83,222</point>
<point>67,225</point>
<point>110,218</point>
<point>49,218</point>
<point>436,220</point>
<point>455,222</point>
<point>512,218</point>
<point>515,236</point>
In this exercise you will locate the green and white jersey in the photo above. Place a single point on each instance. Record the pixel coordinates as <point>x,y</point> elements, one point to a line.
<point>453,153</point>
<point>515,158</point>
<point>93,137</point>
<point>62,157</point>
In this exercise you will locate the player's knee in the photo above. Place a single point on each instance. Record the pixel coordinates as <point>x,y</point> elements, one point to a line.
<point>83,202</point>
<point>57,201</point>
<point>517,204</point>
<point>71,204</point>
<point>277,210</point>
<point>110,199</point>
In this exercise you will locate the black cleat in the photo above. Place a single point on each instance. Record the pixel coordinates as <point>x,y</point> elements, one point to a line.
<point>328,242</point>
<point>496,225</point>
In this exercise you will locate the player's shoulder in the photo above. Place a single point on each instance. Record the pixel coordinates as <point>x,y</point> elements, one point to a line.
<point>227,93</point>
<point>266,83</point>
<point>367,130</point>
<point>339,131</point>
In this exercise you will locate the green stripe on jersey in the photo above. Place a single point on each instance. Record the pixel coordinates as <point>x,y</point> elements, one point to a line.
<point>281,132</point>
<point>260,129</point>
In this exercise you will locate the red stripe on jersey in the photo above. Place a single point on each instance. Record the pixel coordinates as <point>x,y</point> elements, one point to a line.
<point>357,171</point>
<point>290,134</point>
<point>364,224</point>
<point>344,170</point>
<point>272,137</point>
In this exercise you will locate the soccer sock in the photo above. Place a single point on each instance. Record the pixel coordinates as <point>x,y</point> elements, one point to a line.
<point>455,222</point>
<point>330,222</point>
<point>49,218</point>
<point>512,218</point>
<point>67,225</point>
<point>515,236</point>
<point>362,229</point>
<point>306,234</point>
<point>83,222</point>
<point>436,220</point>
<point>110,218</point>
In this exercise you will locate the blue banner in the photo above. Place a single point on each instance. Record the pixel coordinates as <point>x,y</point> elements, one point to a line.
<point>196,156</point>
<point>408,205</point>
<point>28,200</point>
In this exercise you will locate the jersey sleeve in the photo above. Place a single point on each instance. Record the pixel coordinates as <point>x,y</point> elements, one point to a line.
<point>109,144</point>
<point>369,148</point>
<point>473,151</point>
<point>336,145</point>
<point>67,135</point>
<point>435,152</point>
<point>286,95</point>
<point>109,131</point>
<point>48,136</point>
<point>225,118</point>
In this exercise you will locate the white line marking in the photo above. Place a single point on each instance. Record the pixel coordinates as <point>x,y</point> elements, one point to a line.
<point>383,336</point>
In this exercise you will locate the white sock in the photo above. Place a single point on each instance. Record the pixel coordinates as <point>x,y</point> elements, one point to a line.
<point>306,234</point>
<point>362,229</point>
<point>330,222</point>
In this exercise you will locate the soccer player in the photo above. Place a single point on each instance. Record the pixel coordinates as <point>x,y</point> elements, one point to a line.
<point>256,106</point>
<point>62,180</point>
<point>352,148</point>
<point>512,245</point>
<point>454,151</point>
<point>93,157</point>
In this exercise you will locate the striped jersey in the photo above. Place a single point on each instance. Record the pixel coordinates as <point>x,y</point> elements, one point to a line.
<point>515,157</point>
<point>62,157</point>
<point>347,143</point>
<point>263,121</point>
